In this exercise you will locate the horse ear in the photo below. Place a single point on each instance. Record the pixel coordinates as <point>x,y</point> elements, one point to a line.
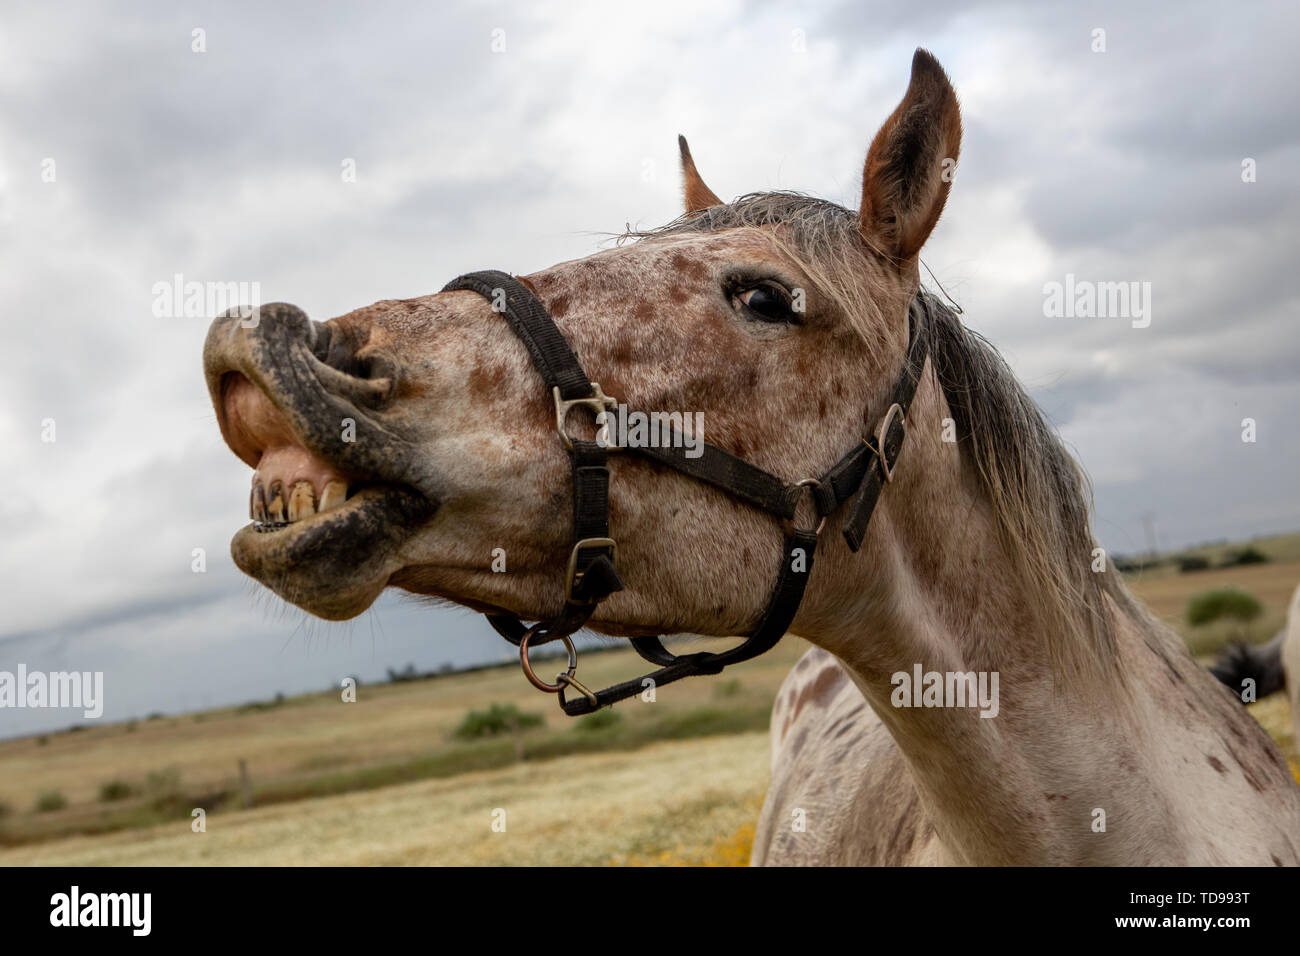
<point>909,166</point>
<point>698,196</point>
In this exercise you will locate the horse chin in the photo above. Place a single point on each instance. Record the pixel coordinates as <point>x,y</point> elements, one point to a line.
<point>334,564</point>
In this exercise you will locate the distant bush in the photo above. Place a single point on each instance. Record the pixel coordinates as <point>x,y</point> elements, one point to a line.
<point>1220,603</point>
<point>727,688</point>
<point>6,809</point>
<point>600,720</point>
<point>51,800</point>
<point>1193,562</point>
<point>115,790</point>
<point>257,705</point>
<point>496,719</point>
<point>163,787</point>
<point>710,720</point>
<point>1247,555</point>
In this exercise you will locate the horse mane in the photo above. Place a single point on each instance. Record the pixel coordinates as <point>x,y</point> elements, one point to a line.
<point>1039,496</point>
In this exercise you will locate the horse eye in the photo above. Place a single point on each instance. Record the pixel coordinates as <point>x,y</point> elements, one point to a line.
<point>767,303</point>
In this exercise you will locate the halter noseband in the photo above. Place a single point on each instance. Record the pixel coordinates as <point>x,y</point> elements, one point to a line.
<point>590,576</point>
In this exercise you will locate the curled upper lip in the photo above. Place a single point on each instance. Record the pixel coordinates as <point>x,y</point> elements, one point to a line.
<point>334,414</point>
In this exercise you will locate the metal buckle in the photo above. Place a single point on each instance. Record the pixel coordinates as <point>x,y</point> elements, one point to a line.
<point>886,467</point>
<point>581,688</point>
<point>789,522</point>
<point>571,576</point>
<point>598,402</point>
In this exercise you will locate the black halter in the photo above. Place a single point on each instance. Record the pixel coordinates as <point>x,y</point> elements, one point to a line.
<point>590,576</point>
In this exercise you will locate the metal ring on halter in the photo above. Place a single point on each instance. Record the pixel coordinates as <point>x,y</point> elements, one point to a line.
<point>895,411</point>
<point>560,679</point>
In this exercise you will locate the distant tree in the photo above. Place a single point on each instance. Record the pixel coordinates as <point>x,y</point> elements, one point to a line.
<point>1247,555</point>
<point>1129,565</point>
<point>406,673</point>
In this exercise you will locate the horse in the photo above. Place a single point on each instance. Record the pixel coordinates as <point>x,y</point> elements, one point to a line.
<point>983,689</point>
<point>1271,667</point>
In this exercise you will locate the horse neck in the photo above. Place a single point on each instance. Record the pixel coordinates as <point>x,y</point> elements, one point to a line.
<point>934,587</point>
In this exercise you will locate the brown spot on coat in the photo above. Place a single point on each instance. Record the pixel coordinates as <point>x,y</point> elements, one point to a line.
<point>1247,772</point>
<point>559,306</point>
<point>688,268</point>
<point>819,691</point>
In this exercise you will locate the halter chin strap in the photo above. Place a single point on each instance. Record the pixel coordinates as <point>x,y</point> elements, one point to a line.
<point>590,575</point>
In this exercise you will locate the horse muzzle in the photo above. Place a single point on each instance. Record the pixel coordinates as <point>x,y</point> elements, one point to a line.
<point>336,487</point>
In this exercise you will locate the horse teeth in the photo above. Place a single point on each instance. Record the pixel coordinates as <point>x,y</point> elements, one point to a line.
<point>302,501</point>
<point>275,502</point>
<point>335,493</point>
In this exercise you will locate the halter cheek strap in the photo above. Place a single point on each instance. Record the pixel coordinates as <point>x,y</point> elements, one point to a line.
<point>590,574</point>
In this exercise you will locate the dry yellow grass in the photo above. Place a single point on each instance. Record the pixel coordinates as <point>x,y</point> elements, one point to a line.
<point>732,849</point>
<point>691,800</point>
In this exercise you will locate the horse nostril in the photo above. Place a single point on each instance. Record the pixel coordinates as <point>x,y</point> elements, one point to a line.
<point>321,334</point>
<point>352,368</point>
<point>341,357</point>
<point>377,367</point>
<point>337,349</point>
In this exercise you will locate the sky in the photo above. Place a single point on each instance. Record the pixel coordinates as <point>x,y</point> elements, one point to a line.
<point>515,136</point>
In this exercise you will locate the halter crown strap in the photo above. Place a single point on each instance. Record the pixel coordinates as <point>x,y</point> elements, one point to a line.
<point>590,575</point>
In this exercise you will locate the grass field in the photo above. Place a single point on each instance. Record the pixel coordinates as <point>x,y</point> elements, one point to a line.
<point>385,780</point>
<point>314,761</point>
<point>669,802</point>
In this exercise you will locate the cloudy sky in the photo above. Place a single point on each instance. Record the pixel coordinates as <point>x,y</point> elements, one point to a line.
<point>513,137</point>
